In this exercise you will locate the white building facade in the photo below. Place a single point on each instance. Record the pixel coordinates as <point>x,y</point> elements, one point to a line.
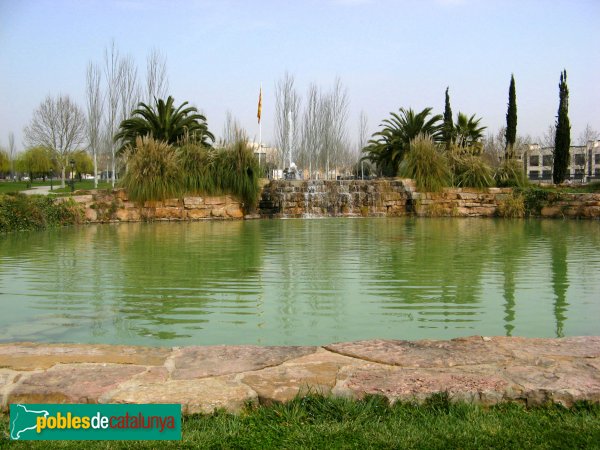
<point>584,165</point>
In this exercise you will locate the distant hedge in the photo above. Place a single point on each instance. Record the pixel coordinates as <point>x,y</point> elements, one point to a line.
<point>20,212</point>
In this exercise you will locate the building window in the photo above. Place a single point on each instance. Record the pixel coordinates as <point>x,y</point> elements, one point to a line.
<point>534,174</point>
<point>546,175</point>
<point>547,160</point>
<point>579,160</point>
<point>579,173</point>
<point>597,158</point>
<point>534,160</point>
<point>597,173</point>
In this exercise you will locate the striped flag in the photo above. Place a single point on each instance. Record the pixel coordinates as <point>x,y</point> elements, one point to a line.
<point>259,104</point>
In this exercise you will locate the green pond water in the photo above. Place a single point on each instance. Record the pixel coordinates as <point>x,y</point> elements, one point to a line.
<point>300,281</point>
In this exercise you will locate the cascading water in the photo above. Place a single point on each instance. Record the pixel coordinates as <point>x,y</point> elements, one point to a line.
<point>320,198</point>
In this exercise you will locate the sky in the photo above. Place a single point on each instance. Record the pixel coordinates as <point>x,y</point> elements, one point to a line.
<point>388,53</point>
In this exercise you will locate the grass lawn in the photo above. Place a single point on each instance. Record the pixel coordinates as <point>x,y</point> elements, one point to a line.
<point>84,184</point>
<point>574,188</point>
<point>16,186</point>
<point>317,422</point>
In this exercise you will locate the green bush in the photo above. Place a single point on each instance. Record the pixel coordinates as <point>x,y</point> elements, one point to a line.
<point>534,199</point>
<point>153,171</point>
<point>469,170</point>
<point>510,174</point>
<point>20,212</point>
<point>426,165</point>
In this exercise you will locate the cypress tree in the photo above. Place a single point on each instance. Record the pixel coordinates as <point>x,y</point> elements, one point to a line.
<point>448,127</point>
<point>562,138</point>
<point>511,120</point>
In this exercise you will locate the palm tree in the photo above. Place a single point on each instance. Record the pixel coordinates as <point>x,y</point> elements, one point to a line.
<point>165,123</point>
<point>468,132</point>
<point>388,146</point>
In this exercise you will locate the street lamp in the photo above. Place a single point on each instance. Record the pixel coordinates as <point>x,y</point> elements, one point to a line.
<point>72,162</point>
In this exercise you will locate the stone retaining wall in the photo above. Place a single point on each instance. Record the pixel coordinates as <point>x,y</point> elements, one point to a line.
<point>583,206</point>
<point>103,206</point>
<point>485,370</point>
<point>399,197</point>
<point>460,202</point>
<point>321,198</point>
<point>356,198</point>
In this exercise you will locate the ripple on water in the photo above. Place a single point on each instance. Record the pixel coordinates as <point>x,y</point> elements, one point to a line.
<point>300,281</point>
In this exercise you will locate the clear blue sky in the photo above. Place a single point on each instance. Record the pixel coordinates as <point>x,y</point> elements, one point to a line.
<point>389,54</point>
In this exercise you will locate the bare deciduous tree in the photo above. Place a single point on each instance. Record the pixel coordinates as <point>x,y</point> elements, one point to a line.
<point>157,82</point>
<point>588,134</point>
<point>287,110</point>
<point>232,131</point>
<point>58,124</point>
<point>95,106</point>
<point>12,153</point>
<point>363,139</point>
<point>547,140</point>
<point>129,89</point>
<point>494,146</point>
<point>122,96</point>
<point>113,83</point>
<point>335,117</point>
<point>310,143</point>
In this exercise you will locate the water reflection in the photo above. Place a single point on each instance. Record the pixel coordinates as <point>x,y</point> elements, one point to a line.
<point>300,281</point>
<point>560,282</point>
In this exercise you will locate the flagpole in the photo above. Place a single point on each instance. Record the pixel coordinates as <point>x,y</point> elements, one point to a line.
<point>260,125</point>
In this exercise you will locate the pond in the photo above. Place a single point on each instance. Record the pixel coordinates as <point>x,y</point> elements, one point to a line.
<point>292,282</point>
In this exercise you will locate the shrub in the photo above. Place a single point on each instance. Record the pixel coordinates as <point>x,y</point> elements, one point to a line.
<point>512,207</point>
<point>19,212</point>
<point>153,171</point>
<point>469,170</point>
<point>426,165</point>
<point>510,174</point>
<point>534,199</point>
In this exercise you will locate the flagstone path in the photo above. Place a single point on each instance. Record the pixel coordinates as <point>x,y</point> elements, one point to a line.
<point>474,369</point>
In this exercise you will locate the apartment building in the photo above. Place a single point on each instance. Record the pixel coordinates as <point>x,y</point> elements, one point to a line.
<point>584,163</point>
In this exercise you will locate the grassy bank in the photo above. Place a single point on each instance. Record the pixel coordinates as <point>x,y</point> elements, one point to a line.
<point>20,212</point>
<point>317,422</point>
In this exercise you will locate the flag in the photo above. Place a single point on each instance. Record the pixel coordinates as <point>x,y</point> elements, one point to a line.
<point>259,104</point>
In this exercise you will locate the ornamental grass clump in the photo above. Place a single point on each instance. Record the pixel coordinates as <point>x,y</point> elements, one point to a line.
<point>238,172</point>
<point>426,165</point>
<point>197,164</point>
<point>153,171</point>
<point>469,170</point>
<point>510,174</point>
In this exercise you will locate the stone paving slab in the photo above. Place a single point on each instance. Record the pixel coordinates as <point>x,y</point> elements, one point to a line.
<point>201,362</point>
<point>484,370</point>
<point>29,355</point>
